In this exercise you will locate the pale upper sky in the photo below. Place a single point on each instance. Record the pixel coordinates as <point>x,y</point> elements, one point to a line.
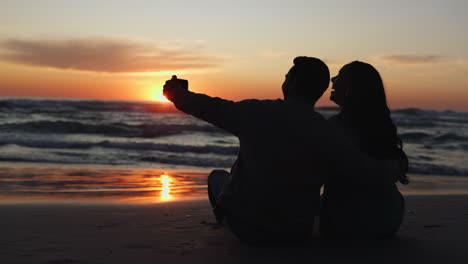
<point>232,49</point>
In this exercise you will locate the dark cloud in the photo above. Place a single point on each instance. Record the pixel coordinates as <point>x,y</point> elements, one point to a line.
<point>102,55</point>
<point>412,59</point>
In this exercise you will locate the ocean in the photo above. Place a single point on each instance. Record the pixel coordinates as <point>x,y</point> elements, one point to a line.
<point>78,148</point>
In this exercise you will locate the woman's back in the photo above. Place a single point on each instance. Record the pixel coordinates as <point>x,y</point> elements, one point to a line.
<point>359,210</point>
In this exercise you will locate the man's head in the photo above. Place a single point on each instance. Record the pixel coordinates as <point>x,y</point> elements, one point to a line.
<point>308,79</point>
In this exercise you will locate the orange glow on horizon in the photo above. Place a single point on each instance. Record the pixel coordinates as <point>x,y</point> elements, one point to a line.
<point>22,81</point>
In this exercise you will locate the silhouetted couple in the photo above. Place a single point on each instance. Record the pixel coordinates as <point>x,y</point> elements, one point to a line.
<point>288,152</point>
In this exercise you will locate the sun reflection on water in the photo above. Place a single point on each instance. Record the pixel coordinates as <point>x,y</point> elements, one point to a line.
<point>166,188</point>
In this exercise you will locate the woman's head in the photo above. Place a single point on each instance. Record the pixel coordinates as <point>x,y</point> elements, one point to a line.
<point>359,87</point>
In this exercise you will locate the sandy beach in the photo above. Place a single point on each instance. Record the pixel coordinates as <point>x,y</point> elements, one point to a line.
<point>433,231</point>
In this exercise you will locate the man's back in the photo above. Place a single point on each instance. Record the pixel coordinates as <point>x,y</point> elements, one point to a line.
<point>279,173</point>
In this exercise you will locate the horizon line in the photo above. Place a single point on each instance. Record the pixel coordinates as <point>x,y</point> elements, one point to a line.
<point>39,98</point>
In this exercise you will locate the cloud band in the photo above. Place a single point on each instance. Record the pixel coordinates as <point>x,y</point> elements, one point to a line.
<point>102,55</point>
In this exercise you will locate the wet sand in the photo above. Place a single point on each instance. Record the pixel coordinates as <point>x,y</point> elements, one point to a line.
<point>435,230</point>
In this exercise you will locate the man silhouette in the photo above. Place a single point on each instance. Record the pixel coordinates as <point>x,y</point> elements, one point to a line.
<point>286,151</point>
<point>272,192</point>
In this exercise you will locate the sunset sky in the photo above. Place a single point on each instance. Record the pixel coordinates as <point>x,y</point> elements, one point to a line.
<point>124,50</point>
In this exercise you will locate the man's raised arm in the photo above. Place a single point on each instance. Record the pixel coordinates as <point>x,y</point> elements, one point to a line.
<point>219,112</point>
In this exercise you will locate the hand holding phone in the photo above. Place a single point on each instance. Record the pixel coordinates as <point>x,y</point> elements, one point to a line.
<point>177,83</point>
<point>173,85</point>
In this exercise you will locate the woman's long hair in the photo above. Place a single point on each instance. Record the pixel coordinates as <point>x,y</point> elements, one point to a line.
<point>365,105</point>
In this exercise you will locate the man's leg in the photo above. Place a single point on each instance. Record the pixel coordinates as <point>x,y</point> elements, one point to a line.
<point>244,231</point>
<point>216,181</point>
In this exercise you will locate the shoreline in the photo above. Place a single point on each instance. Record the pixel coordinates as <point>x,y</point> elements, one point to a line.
<point>84,184</point>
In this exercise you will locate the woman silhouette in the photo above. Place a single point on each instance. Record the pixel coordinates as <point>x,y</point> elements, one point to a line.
<point>357,210</point>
